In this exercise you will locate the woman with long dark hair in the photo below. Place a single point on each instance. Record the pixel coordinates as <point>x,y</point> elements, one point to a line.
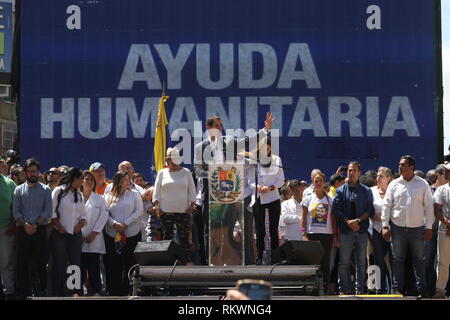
<point>93,240</point>
<point>122,232</point>
<point>69,217</point>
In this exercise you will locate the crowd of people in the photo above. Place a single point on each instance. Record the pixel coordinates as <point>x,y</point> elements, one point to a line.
<point>398,221</point>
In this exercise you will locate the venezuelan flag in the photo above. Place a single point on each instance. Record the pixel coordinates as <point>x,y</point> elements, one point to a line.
<point>159,149</point>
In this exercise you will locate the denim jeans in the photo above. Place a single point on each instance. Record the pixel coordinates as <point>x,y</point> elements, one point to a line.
<point>380,248</point>
<point>350,241</point>
<point>404,239</point>
<point>66,248</point>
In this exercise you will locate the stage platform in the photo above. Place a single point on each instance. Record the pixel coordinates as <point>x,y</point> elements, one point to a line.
<point>217,298</point>
<point>299,279</point>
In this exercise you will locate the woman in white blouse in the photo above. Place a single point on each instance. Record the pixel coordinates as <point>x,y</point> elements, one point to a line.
<point>270,177</point>
<point>174,197</point>
<point>69,217</point>
<point>122,232</point>
<point>93,240</point>
<point>380,247</point>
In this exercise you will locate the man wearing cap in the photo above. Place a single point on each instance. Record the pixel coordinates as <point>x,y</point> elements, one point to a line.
<point>442,213</point>
<point>291,212</point>
<point>407,215</point>
<point>98,170</point>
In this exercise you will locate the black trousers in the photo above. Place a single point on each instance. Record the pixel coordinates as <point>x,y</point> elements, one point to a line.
<point>90,264</point>
<point>205,219</point>
<point>31,251</point>
<point>198,237</point>
<point>327,241</point>
<point>248,233</point>
<point>274,218</point>
<point>120,264</point>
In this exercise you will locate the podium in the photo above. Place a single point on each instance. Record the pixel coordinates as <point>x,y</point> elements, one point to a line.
<point>226,214</point>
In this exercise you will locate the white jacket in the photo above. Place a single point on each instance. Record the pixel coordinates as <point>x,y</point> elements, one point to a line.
<point>97,216</point>
<point>291,216</point>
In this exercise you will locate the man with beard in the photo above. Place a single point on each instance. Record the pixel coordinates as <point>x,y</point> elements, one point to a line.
<point>32,208</point>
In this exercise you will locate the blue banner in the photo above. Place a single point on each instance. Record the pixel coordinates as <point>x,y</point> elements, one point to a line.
<point>345,80</point>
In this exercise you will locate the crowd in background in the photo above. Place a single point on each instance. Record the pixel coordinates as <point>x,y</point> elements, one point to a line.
<point>399,221</point>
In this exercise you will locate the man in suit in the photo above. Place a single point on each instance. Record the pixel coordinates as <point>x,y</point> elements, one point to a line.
<point>217,148</point>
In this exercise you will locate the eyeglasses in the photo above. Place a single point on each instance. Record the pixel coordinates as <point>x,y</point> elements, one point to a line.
<point>54,172</point>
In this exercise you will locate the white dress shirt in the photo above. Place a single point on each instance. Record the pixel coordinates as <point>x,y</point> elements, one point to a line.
<point>70,212</point>
<point>408,204</point>
<point>97,216</point>
<point>273,175</point>
<point>442,197</point>
<point>377,205</point>
<point>127,209</point>
<point>291,216</point>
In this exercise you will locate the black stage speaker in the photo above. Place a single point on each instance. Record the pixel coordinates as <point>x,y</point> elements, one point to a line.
<point>299,252</point>
<point>160,253</point>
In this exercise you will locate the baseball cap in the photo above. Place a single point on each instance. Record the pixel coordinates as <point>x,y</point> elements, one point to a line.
<point>174,154</point>
<point>95,166</point>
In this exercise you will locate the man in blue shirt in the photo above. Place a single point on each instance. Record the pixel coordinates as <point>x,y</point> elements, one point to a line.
<point>32,208</point>
<point>352,207</point>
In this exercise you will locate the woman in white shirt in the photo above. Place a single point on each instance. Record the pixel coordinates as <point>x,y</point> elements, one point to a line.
<point>174,198</point>
<point>122,232</point>
<point>270,178</point>
<point>317,221</point>
<point>69,217</point>
<point>93,240</point>
<point>380,247</point>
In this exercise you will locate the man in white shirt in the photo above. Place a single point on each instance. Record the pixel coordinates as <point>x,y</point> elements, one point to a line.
<point>442,213</point>
<point>407,216</point>
<point>214,150</point>
<point>291,211</point>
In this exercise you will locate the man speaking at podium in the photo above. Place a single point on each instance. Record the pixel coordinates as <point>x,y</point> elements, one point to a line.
<point>217,148</point>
